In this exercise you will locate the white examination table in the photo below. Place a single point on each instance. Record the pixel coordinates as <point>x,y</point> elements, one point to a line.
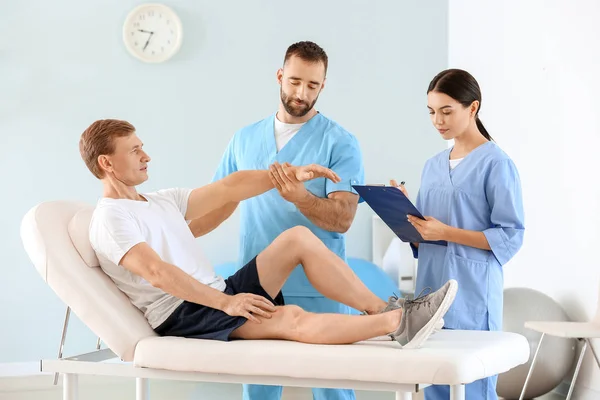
<point>55,236</point>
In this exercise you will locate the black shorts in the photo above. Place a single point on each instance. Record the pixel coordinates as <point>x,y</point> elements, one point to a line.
<point>193,320</point>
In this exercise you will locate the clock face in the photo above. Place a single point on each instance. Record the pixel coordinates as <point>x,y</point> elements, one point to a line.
<point>152,32</point>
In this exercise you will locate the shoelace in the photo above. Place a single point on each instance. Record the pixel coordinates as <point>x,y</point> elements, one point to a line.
<point>392,299</point>
<point>420,299</point>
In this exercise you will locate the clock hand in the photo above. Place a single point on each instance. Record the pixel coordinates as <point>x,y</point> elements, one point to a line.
<point>144,31</point>
<point>148,41</point>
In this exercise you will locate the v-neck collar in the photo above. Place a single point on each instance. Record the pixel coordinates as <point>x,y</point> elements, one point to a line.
<point>271,144</point>
<point>467,159</point>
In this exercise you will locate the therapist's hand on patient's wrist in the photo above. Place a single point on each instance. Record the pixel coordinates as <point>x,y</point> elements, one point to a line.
<point>289,180</point>
<point>430,228</point>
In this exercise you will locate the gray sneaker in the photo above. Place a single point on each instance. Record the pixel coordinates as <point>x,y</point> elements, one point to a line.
<point>422,315</point>
<point>395,303</point>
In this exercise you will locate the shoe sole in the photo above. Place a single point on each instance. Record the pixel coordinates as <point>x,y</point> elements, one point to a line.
<point>387,338</point>
<point>428,329</point>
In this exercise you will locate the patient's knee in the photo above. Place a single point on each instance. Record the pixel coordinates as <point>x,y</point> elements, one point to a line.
<point>291,317</point>
<point>299,236</point>
<point>297,324</point>
<point>298,232</point>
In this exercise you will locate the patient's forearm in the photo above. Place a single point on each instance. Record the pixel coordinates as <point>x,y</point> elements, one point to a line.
<point>203,225</point>
<point>242,185</point>
<point>174,281</point>
<point>233,188</point>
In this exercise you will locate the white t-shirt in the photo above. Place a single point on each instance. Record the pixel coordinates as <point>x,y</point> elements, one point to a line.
<point>284,132</point>
<point>119,224</point>
<point>454,163</point>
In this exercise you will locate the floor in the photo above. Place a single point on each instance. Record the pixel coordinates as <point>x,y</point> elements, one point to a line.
<point>101,388</point>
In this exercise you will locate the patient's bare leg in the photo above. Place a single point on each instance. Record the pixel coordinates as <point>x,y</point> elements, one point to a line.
<point>293,323</point>
<point>325,270</point>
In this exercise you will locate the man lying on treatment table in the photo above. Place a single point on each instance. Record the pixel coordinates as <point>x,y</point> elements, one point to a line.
<point>144,244</point>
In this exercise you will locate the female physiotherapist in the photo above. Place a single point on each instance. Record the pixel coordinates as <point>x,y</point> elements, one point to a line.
<point>471,197</point>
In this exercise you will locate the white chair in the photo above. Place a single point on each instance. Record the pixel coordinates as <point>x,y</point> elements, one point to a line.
<point>582,331</point>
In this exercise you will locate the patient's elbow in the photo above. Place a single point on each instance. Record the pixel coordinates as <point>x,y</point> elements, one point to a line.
<point>155,275</point>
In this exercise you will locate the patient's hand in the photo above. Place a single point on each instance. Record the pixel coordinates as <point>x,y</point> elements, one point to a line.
<point>249,305</point>
<point>308,172</point>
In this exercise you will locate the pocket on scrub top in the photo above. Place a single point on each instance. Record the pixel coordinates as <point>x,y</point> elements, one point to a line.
<point>472,278</point>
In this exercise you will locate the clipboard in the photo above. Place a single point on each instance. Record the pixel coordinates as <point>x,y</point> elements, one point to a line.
<point>392,206</point>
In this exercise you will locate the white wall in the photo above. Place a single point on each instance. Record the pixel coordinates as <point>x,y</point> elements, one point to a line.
<point>538,64</point>
<point>63,65</point>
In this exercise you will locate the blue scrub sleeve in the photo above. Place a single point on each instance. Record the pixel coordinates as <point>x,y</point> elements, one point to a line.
<point>347,162</point>
<point>503,191</point>
<point>228,164</point>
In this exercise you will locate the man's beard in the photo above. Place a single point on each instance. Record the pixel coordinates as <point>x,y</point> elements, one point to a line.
<point>294,109</point>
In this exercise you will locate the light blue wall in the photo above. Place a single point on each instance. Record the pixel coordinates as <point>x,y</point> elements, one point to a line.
<point>63,65</point>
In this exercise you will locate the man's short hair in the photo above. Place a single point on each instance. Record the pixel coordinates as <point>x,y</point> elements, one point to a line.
<point>307,51</point>
<point>99,139</point>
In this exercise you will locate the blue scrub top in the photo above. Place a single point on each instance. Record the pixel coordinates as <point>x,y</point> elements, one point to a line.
<point>482,193</point>
<point>263,218</point>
